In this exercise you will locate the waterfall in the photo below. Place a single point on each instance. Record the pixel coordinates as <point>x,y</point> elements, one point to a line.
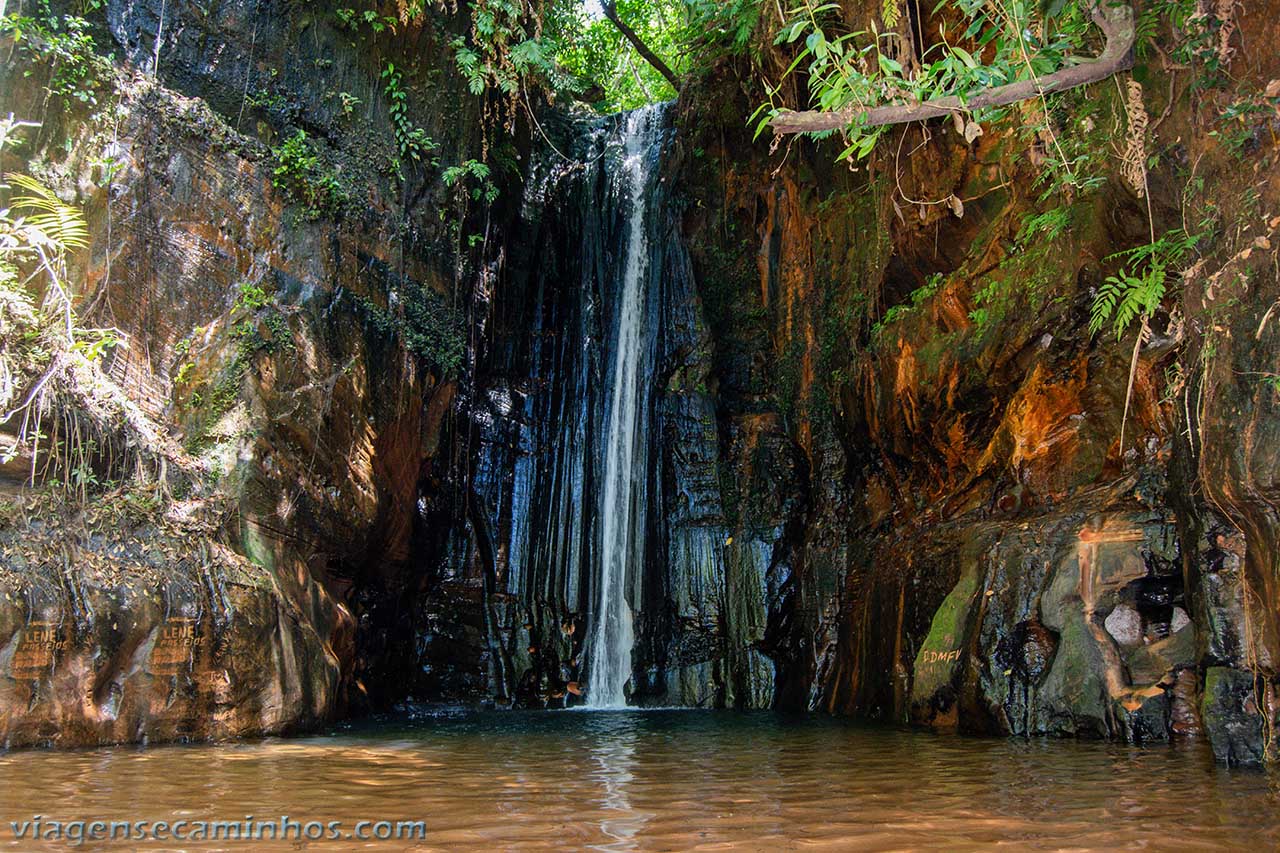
<point>596,527</point>
<point>625,461</point>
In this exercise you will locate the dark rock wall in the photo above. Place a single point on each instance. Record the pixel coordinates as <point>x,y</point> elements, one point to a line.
<point>528,560</point>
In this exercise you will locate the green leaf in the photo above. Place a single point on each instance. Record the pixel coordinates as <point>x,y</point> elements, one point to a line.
<point>890,66</point>
<point>965,56</point>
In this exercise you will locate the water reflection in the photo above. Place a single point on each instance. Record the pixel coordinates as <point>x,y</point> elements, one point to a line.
<point>661,781</point>
<point>613,751</point>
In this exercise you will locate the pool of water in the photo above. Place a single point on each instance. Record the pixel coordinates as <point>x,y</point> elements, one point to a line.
<point>653,780</point>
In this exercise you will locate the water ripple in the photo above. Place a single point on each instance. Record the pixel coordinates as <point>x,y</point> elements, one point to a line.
<point>666,781</point>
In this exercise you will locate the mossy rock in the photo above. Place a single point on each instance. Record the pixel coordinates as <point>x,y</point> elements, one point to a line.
<point>942,656</point>
<point>1074,693</point>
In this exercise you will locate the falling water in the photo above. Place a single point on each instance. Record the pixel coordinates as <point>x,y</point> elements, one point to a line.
<point>625,464</point>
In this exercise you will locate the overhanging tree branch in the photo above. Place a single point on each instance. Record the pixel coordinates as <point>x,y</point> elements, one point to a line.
<point>611,12</point>
<point>1115,21</point>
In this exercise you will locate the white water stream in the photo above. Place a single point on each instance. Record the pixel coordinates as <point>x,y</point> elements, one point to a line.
<point>622,510</point>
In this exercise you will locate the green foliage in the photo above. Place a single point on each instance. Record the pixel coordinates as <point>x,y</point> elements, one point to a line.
<point>412,140</point>
<point>1047,225</point>
<point>49,362</point>
<point>787,379</point>
<point>475,174</point>
<point>600,59</point>
<point>1031,274</point>
<point>436,332</point>
<point>48,227</point>
<point>503,48</point>
<point>271,335</point>
<point>268,97</point>
<point>37,230</point>
<point>426,324</point>
<point>257,326</point>
<point>213,402</point>
<point>918,297</point>
<point>354,20</point>
<point>890,13</point>
<point>861,68</point>
<point>720,26</point>
<point>688,34</point>
<point>300,174</point>
<point>1077,155</point>
<point>1139,287</point>
<point>997,42</point>
<point>263,328</point>
<point>251,298</point>
<point>65,45</point>
<point>1242,121</point>
<point>570,47</point>
<point>348,102</point>
<point>1193,36</point>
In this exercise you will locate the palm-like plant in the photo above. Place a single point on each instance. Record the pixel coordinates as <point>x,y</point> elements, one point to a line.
<point>38,225</point>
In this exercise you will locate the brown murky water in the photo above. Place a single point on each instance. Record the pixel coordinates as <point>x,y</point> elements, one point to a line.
<point>666,780</point>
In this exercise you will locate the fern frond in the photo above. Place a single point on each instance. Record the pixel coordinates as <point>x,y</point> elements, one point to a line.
<point>1134,167</point>
<point>1130,307</point>
<point>1104,304</point>
<point>891,13</point>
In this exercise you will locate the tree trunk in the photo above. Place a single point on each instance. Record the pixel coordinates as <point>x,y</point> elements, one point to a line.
<point>611,12</point>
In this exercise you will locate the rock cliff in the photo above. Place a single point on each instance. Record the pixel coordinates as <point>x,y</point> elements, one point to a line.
<point>886,467</point>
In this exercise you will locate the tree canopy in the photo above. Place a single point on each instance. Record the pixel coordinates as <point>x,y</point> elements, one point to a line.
<point>839,70</point>
<point>626,47</point>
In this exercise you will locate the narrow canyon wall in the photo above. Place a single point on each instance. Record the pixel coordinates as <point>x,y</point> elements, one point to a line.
<point>293,332</point>
<point>966,543</point>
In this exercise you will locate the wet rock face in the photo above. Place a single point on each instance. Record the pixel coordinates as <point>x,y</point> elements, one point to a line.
<point>1238,710</point>
<point>141,636</point>
<point>971,547</point>
<point>1029,651</point>
<point>1023,643</point>
<point>280,347</point>
<point>530,551</point>
<point>886,476</point>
